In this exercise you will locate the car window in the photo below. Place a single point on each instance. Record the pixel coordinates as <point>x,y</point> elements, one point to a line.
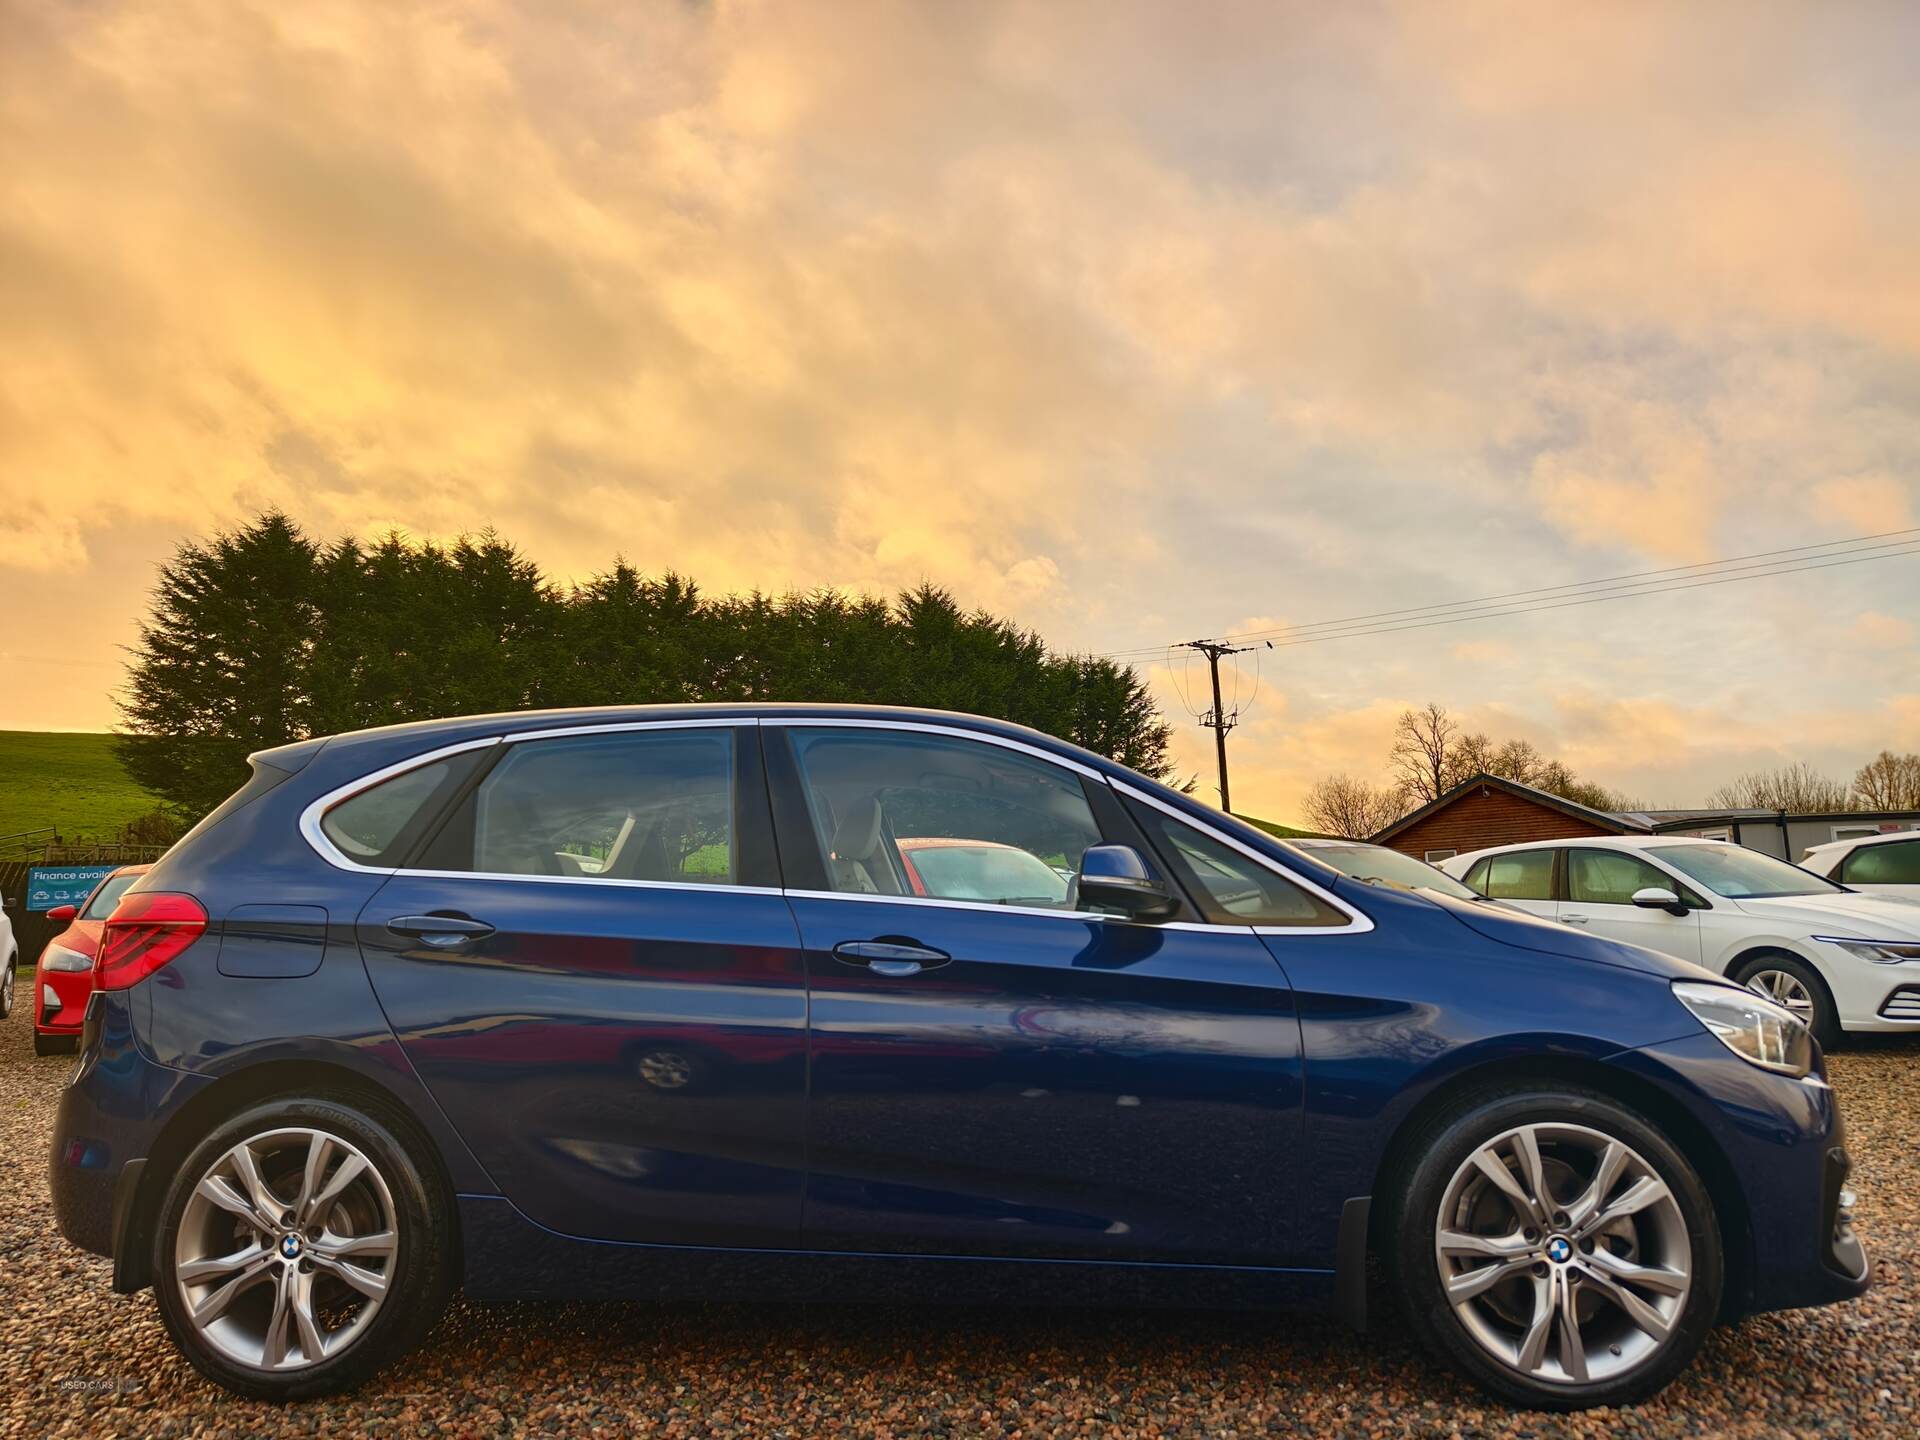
<point>107,896</point>
<point>1742,874</point>
<point>366,826</point>
<point>1894,864</point>
<point>1377,865</point>
<point>1523,875</point>
<point>649,805</point>
<point>1610,877</point>
<point>1476,877</point>
<point>1232,888</point>
<point>901,812</point>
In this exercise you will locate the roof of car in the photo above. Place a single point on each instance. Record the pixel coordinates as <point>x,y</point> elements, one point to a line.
<point>1607,842</point>
<point>1857,840</point>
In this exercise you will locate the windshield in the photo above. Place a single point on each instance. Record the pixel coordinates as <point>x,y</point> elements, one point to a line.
<point>107,896</point>
<point>1742,874</point>
<point>1378,865</point>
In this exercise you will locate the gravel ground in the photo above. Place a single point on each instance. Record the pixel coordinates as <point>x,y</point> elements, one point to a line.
<point>87,1362</point>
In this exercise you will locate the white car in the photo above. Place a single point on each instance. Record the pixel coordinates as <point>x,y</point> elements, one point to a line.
<point>1878,864</point>
<point>1839,959</point>
<point>9,958</point>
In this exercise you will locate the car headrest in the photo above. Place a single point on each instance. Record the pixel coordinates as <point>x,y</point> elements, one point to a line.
<point>857,835</point>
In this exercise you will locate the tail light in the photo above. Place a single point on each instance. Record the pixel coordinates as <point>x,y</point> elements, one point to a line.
<point>145,931</point>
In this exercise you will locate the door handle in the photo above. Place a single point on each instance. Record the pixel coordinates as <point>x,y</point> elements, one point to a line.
<point>444,932</point>
<point>1574,919</point>
<point>891,958</point>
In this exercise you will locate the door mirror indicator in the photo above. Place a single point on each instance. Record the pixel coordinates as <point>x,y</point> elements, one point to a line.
<point>1117,877</point>
<point>1656,897</point>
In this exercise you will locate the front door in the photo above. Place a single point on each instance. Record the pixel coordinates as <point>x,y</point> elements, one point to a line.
<point>996,1071</point>
<point>591,968</point>
<point>1601,885</point>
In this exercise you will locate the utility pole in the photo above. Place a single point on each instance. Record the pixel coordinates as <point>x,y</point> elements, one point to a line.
<point>1217,718</point>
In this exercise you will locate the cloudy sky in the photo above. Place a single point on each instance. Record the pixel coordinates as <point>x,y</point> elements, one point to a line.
<point>1133,321</point>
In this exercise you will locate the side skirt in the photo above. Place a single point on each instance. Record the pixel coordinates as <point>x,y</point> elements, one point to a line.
<point>509,1257</point>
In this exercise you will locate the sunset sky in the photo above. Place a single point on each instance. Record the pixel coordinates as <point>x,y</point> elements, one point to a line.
<point>1135,322</point>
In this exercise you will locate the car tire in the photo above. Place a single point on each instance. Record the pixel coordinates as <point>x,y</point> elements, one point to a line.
<point>6,989</point>
<point>44,1044</point>
<point>1643,1286</point>
<point>1796,984</point>
<point>229,1283</point>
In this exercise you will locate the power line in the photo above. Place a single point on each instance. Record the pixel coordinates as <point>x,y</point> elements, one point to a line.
<point>1614,587</point>
<point>1585,600</point>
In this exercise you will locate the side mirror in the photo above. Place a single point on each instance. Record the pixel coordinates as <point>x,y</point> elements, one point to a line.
<point>1116,876</point>
<point>1657,897</point>
<point>61,914</point>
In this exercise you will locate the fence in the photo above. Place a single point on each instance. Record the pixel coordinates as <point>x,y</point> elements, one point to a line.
<point>30,927</point>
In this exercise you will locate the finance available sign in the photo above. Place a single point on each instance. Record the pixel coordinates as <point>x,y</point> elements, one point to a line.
<point>50,886</point>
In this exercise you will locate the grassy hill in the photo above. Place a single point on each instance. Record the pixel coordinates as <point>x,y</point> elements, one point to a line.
<point>71,781</point>
<point>1285,832</point>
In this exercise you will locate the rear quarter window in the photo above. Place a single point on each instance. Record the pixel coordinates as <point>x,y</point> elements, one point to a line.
<point>382,823</point>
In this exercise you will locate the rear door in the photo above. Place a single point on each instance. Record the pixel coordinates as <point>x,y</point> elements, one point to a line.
<point>996,1071</point>
<point>1525,879</point>
<point>591,967</point>
<point>1601,884</point>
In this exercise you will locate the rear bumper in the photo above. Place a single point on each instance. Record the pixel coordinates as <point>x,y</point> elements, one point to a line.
<point>110,1113</point>
<point>1784,1148</point>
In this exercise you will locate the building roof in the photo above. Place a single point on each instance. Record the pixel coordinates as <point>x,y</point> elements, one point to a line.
<point>1619,824</point>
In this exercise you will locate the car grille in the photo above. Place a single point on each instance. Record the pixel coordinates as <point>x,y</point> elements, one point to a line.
<point>1902,1004</point>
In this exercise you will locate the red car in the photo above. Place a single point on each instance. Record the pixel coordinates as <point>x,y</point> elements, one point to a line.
<point>63,979</point>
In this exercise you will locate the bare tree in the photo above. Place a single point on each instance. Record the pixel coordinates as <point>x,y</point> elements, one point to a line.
<point>1352,809</point>
<point>1888,782</point>
<point>1422,754</point>
<point>1797,789</point>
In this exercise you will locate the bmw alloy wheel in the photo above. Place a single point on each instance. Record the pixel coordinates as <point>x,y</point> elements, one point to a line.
<point>1563,1253</point>
<point>286,1248</point>
<point>1784,989</point>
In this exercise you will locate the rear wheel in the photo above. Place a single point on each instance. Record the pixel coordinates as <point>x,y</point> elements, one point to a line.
<point>6,988</point>
<point>1557,1248</point>
<point>1790,981</point>
<point>302,1246</point>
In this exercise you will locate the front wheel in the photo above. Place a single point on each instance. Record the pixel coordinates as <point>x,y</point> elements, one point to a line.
<point>301,1247</point>
<point>1557,1248</point>
<point>1790,981</point>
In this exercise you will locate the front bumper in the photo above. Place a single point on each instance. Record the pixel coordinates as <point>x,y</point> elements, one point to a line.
<point>1783,1165</point>
<point>60,1000</point>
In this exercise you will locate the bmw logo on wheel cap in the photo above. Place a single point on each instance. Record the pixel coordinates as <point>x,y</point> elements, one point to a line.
<point>1558,1249</point>
<point>290,1246</point>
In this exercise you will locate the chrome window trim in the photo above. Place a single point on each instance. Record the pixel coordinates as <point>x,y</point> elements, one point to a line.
<point>317,838</point>
<point>933,902</point>
<point>960,732</point>
<point>1358,923</point>
<point>310,817</point>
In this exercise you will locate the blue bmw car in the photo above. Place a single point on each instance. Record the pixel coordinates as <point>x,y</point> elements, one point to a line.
<point>647,1002</point>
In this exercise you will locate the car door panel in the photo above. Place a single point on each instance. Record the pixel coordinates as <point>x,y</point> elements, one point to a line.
<point>622,1050</point>
<point>1063,1087</point>
<point>1062,1084</point>
<point>1599,886</point>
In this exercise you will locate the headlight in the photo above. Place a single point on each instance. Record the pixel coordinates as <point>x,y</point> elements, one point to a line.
<point>58,957</point>
<point>1755,1029</point>
<point>1880,952</point>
